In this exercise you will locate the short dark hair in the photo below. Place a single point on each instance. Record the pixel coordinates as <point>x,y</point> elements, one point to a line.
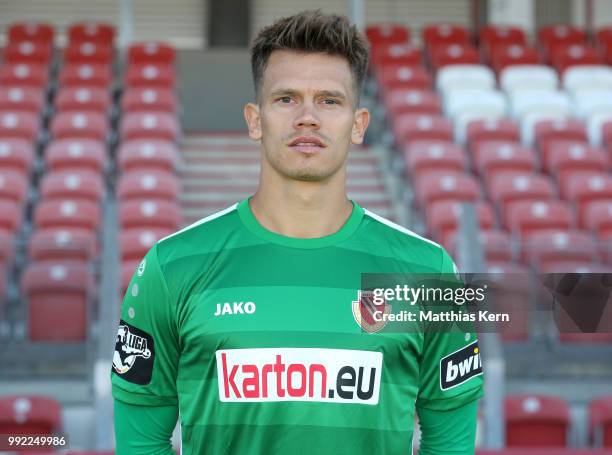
<point>312,31</point>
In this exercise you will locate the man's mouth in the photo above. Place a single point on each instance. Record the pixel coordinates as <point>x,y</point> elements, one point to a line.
<point>307,144</point>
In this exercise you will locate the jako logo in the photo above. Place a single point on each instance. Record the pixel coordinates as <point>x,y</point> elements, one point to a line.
<point>235,308</point>
<point>299,374</point>
<point>460,366</point>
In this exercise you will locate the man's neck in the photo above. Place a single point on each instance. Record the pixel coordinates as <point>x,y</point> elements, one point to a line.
<point>302,209</point>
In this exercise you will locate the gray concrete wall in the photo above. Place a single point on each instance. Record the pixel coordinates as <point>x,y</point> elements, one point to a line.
<point>213,86</point>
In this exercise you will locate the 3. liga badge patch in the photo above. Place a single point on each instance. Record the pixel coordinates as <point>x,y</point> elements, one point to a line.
<point>134,354</point>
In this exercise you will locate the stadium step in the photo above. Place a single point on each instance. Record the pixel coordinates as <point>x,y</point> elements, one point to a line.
<point>218,170</point>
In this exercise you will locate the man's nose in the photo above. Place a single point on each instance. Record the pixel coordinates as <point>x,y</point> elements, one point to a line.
<point>307,117</point>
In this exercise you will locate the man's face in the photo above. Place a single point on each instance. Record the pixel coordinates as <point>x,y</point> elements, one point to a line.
<point>306,117</point>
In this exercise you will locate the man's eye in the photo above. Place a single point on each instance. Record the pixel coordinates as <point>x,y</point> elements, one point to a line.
<point>285,99</point>
<point>329,101</point>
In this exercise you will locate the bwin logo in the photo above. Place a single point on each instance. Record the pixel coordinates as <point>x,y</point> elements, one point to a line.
<point>128,347</point>
<point>233,308</point>
<point>460,366</point>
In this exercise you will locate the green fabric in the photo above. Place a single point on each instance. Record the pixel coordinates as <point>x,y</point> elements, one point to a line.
<point>348,392</point>
<point>144,430</point>
<point>450,432</point>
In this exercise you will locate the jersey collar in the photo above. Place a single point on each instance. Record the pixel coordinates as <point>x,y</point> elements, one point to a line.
<point>251,223</point>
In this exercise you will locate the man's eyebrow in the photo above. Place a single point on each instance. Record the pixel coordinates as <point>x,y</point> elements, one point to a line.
<point>330,93</point>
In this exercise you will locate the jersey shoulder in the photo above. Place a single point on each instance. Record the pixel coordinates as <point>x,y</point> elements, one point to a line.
<point>207,235</point>
<point>404,244</point>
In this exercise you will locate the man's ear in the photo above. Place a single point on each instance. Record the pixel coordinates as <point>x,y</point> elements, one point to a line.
<point>360,124</point>
<point>253,120</point>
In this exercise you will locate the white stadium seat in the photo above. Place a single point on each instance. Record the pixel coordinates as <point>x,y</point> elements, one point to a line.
<point>480,102</point>
<point>465,77</point>
<point>524,102</point>
<point>587,77</point>
<point>590,102</point>
<point>528,77</point>
<point>595,123</point>
<point>529,121</point>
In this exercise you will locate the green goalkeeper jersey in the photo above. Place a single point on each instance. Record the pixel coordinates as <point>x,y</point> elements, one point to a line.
<point>253,336</point>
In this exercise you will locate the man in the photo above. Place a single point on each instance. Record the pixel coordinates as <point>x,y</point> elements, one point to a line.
<point>244,320</point>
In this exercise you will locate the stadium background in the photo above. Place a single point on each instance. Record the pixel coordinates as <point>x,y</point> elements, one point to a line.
<point>105,148</point>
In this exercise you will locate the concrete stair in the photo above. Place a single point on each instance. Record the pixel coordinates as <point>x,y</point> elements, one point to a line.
<point>219,170</point>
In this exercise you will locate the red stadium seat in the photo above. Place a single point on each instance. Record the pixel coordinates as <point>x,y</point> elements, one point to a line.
<point>148,185</point>
<point>454,54</point>
<point>495,35</point>
<point>529,216</point>
<point>96,32</point>
<point>497,157</point>
<point>19,124</point>
<point>562,158</point>
<point>88,52</point>
<point>411,127</point>
<point>27,99</point>
<point>67,214</point>
<point>13,186</point>
<point>149,213</point>
<point>401,101</point>
<point>536,421</point>
<point>584,187</point>
<point>11,215</point>
<point>135,243</point>
<point>150,76</point>
<point>503,56</point>
<point>496,244</point>
<point>81,125</point>
<point>29,415</point>
<point>72,184</point>
<point>148,154</point>
<point>39,32</point>
<point>62,244</point>
<point>444,217</point>
<point>600,420</point>
<point>437,186</point>
<point>604,37</point>
<point>510,187</point>
<point>492,129</point>
<point>396,54</point>
<point>550,130</point>
<point>57,292</point>
<point>378,34</point>
<point>7,251</point>
<point>575,267</point>
<point>83,99</point>
<point>149,125</point>
<point>154,52</point>
<point>423,156</point>
<point>399,76</point>
<point>24,74</point>
<point>72,154</point>
<point>564,57</point>
<point>547,247</point>
<point>552,36</point>
<point>598,217</point>
<point>28,52</point>
<point>149,99</point>
<point>16,155</point>
<point>437,34</point>
<point>85,75</point>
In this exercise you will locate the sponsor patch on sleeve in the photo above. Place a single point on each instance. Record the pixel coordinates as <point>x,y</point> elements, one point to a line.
<point>460,366</point>
<point>134,354</point>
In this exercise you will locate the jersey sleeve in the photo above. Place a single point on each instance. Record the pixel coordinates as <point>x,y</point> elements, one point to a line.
<point>146,348</point>
<point>451,373</point>
<point>450,432</point>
